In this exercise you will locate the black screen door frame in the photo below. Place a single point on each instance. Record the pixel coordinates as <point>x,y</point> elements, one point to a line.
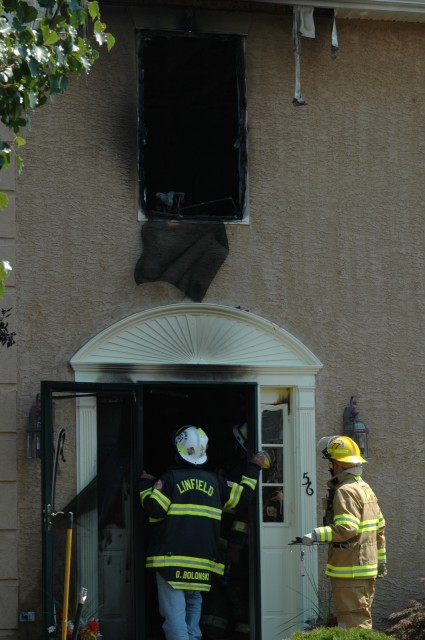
<point>56,390</point>
<point>53,390</point>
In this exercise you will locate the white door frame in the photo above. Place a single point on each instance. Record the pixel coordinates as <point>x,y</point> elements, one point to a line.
<point>208,342</point>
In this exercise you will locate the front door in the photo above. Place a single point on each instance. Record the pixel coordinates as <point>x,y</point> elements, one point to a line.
<point>97,438</point>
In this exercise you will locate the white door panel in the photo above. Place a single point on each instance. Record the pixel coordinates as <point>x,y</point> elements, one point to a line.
<point>281,589</point>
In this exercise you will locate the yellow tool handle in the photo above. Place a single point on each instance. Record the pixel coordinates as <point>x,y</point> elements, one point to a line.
<point>67,575</point>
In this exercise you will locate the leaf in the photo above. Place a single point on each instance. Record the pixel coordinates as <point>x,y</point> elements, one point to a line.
<point>19,164</point>
<point>5,269</point>
<point>28,13</point>
<point>41,54</point>
<point>110,41</point>
<point>50,37</point>
<point>4,200</point>
<point>99,26</point>
<point>74,5</point>
<point>63,83</point>
<point>48,4</point>
<point>27,35</point>
<point>33,67</point>
<point>94,10</point>
<point>4,160</point>
<point>42,44</point>
<point>30,100</point>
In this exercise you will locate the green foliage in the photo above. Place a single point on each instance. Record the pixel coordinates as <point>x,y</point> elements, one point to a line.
<point>337,633</point>
<point>7,338</point>
<point>5,270</point>
<point>42,43</point>
<point>409,624</point>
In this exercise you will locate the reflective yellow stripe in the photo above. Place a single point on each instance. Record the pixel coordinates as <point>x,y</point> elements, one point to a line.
<point>194,510</point>
<point>162,500</point>
<point>325,534</point>
<point>235,496</point>
<point>190,586</point>
<point>249,482</point>
<point>181,448</point>
<point>227,510</point>
<point>368,525</point>
<point>358,571</point>
<point>144,494</point>
<point>158,562</point>
<point>381,521</point>
<point>241,527</point>
<point>344,518</point>
<point>382,555</point>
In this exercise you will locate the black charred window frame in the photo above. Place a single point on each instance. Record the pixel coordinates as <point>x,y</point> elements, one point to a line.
<point>208,163</point>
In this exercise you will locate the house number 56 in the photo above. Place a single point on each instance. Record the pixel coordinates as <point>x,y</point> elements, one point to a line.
<point>307,484</point>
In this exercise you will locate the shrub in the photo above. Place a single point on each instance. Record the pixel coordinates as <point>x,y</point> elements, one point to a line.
<point>409,624</point>
<point>337,633</point>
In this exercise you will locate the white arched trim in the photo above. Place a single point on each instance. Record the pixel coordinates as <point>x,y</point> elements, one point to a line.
<point>194,334</point>
<point>194,342</point>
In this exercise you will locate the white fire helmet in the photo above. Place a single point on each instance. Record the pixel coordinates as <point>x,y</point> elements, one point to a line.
<point>192,443</point>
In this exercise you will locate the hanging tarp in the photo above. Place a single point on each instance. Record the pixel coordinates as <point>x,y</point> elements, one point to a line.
<point>187,255</point>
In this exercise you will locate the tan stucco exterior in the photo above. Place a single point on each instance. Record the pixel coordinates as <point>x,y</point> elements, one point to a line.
<point>333,253</point>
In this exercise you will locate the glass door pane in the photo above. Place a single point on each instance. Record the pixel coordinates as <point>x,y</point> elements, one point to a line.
<point>272,437</point>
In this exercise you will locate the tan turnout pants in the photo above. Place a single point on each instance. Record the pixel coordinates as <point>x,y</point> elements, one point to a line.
<point>353,601</point>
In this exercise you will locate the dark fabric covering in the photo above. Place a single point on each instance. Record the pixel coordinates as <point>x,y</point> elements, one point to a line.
<point>185,254</point>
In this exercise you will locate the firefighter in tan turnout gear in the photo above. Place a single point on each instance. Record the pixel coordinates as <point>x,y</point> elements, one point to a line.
<point>354,529</point>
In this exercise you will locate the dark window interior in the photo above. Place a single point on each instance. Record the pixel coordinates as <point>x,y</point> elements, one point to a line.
<point>192,126</point>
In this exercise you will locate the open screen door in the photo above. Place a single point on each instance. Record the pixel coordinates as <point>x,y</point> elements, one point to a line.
<point>89,458</point>
<point>96,440</point>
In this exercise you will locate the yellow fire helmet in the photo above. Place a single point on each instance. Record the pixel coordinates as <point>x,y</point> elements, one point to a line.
<point>343,449</point>
<point>192,443</point>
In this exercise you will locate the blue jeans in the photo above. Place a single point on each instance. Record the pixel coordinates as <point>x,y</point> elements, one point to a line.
<point>181,610</point>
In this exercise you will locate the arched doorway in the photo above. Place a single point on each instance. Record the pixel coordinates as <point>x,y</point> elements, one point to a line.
<point>220,366</point>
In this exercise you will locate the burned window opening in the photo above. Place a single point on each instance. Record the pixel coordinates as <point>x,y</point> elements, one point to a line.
<point>193,160</point>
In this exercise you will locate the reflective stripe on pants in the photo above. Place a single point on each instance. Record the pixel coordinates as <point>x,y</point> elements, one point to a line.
<point>353,601</point>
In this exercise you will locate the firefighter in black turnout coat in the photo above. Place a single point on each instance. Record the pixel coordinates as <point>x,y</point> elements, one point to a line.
<point>185,506</point>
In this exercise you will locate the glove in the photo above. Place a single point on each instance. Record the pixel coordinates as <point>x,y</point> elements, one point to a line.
<point>308,539</point>
<point>382,570</point>
<point>146,476</point>
<point>261,459</point>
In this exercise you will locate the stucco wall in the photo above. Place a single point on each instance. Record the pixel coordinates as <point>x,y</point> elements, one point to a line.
<point>333,252</point>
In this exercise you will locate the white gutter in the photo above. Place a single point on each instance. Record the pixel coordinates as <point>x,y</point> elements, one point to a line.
<point>400,10</point>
